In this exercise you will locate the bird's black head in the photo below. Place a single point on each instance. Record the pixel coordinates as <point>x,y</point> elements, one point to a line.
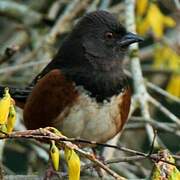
<point>103,39</point>
<point>92,54</point>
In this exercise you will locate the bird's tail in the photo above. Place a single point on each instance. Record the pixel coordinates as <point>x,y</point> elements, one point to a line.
<point>18,94</point>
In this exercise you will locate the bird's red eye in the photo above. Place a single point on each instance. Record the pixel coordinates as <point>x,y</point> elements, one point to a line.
<point>108,35</point>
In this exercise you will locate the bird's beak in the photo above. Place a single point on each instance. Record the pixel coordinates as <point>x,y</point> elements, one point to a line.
<point>129,38</point>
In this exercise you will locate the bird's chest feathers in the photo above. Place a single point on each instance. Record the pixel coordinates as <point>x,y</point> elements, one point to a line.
<point>92,120</point>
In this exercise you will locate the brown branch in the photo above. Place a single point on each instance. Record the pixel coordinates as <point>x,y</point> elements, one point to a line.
<point>45,134</point>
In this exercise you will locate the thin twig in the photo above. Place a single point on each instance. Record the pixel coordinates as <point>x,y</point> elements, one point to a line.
<point>69,13</point>
<point>93,6</point>
<point>147,69</point>
<point>152,145</point>
<point>125,159</point>
<point>164,110</point>
<point>176,2</point>
<point>21,66</point>
<point>104,4</point>
<point>100,164</point>
<point>157,89</point>
<point>162,92</point>
<point>54,9</point>
<point>168,127</point>
<point>116,160</point>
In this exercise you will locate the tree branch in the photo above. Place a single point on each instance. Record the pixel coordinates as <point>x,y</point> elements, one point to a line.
<point>45,134</point>
<point>164,110</point>
<point>20,12</point>
<point>138,81</point>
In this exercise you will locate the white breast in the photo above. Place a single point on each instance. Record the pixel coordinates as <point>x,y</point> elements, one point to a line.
<point>91,120</point>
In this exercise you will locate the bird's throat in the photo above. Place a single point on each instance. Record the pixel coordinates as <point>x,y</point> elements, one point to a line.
<point>101,85</point>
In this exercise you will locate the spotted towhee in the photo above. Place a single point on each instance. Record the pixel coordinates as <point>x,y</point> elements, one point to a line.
<point>83,91</point>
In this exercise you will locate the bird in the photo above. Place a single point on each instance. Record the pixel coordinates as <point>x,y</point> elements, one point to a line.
<point>83,91</point>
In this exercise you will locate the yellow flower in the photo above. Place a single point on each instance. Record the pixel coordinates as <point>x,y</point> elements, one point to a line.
<point>166,58</point>
<point>141,6</point>
<point>173,86</point>
<point>11,119</point>
<point>5,104</point>
<point>55,156</point>
<point>73,162</point>
<point>154,20</point>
